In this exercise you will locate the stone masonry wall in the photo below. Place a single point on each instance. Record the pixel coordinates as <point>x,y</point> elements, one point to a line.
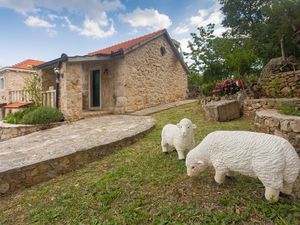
<point>271,122</point>
<point>71,91</point>
<point>13,80</point>
<point>48,79</point>
<point>285,84</point>
<point>253,105</point>
<point>153,79</point>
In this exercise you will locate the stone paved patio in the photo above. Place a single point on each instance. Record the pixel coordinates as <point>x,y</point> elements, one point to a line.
<point>159,108</point>
<point>30,159</point>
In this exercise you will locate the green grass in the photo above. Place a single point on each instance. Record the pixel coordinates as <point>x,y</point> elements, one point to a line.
<point>141,185</point>
<point>290,108</point>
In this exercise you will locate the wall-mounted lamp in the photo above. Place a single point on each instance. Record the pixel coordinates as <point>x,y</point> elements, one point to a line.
<point>105,72</point>
<point>57,73</point>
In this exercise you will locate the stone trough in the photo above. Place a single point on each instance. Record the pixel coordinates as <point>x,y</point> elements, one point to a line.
<point>40,156</point>
<point>223,110</point>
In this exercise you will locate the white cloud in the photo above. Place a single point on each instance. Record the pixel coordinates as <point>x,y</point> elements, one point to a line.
<point>181,29</point>
<point>202,18</point>
<point>34,21</point>
<point>147,18</point>
<point>96,23</point>
<point>90,28</point>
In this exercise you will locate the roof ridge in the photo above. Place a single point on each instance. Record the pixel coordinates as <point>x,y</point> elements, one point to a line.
<point>27,62</point>
<point>128,41</point>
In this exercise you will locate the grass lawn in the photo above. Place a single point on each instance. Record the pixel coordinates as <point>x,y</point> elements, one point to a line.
<point>141,185</point>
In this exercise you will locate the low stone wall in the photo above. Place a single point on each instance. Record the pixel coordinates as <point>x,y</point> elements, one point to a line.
<point>271,122</point>
<point>286,84</point>
<point>8,131</point>
<point>253,105</point>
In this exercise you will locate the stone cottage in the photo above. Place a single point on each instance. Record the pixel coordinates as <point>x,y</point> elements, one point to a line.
<point>13,78</point>
<point>133,75</point>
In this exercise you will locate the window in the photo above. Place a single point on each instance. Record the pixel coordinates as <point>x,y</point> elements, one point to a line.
<point>1,83</point>
<point>162,51</point>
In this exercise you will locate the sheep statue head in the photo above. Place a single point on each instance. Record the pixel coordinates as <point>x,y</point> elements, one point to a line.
<point>186,127</point>
<point>194,168</point>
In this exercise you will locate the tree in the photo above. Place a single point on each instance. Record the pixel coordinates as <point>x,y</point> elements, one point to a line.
<point>269,23</point>
<point>203,56</point>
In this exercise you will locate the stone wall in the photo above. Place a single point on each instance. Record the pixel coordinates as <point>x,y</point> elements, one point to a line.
<point>48,79</point>
<point>71,91</point>
<point>253,105</point>
<point>285,84</point>
<point>13,80</point>
<point>8,131</point>
<point>151,78</point>
<point>271,122</point>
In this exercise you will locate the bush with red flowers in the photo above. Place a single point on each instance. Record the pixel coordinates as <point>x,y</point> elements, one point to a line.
<point>228,87</point>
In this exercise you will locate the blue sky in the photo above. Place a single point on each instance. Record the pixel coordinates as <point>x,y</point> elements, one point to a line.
<point>43,29</point>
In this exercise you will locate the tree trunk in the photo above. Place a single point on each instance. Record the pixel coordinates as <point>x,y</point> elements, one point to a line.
<point>282,49</point>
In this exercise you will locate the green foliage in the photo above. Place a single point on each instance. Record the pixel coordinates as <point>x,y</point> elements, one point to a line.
<point>208,87</point>
<point>43,115</point>
<point>265,22</point>
<point>35,115</point>
<point>17,117</point>
<point>219,57</point>
<point>33,86</point>
<point>290,108</point>
<point>195,79</point>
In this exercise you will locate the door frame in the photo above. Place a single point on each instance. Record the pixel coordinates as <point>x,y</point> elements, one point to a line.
<point>91,91</point>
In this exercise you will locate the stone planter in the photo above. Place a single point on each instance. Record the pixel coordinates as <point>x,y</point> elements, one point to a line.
<point>223,110</point>
<point>272,122</point>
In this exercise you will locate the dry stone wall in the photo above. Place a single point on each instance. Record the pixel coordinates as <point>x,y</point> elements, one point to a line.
<point>271,122</point>
<point>285,84</point>
<point>253,105</point>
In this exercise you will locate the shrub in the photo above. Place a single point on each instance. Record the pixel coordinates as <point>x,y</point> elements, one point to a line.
<point>16,118</point>
<point>43,115</point>
<point>228,87</point>
<point>35,115</point>
<point>290,108</point>
<point>207,88</point>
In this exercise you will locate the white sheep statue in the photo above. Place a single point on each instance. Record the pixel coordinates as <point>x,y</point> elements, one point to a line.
<point>272,159</point>
<point>180,136</point>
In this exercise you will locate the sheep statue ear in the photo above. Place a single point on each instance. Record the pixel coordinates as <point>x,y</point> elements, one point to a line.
<point>194,126</point>
<point>200,162</point>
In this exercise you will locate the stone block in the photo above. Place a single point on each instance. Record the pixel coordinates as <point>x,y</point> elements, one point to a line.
<point>224,110</point>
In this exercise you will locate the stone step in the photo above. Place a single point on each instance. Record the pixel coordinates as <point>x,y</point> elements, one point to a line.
<point>89,114</point>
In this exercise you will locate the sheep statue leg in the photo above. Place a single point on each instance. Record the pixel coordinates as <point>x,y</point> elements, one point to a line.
<point>272,194</point>
<point>220,177</point>
<point>287,188</point>
<point>180,154</point>
<point>164,146</point>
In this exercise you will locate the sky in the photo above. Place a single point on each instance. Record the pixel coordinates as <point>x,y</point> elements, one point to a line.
<point>44,29</point>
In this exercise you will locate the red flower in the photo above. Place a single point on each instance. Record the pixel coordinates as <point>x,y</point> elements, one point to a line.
<point>215,91</point>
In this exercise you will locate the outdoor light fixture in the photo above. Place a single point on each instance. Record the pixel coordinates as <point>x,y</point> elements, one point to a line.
<point>105,72</point>
<point>57,73</point>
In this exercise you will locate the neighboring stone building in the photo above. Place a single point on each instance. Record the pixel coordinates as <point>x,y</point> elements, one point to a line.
<point>133,75</point>
<point>13,78</point>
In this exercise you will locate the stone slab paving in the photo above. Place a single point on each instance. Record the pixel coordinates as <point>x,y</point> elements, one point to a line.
<point>155,109</point>
<point>30,159</point>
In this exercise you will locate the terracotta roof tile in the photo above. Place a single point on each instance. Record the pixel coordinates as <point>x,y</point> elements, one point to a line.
<point>17,105</point>
<point>27,64</point>
<point>126,45</point>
